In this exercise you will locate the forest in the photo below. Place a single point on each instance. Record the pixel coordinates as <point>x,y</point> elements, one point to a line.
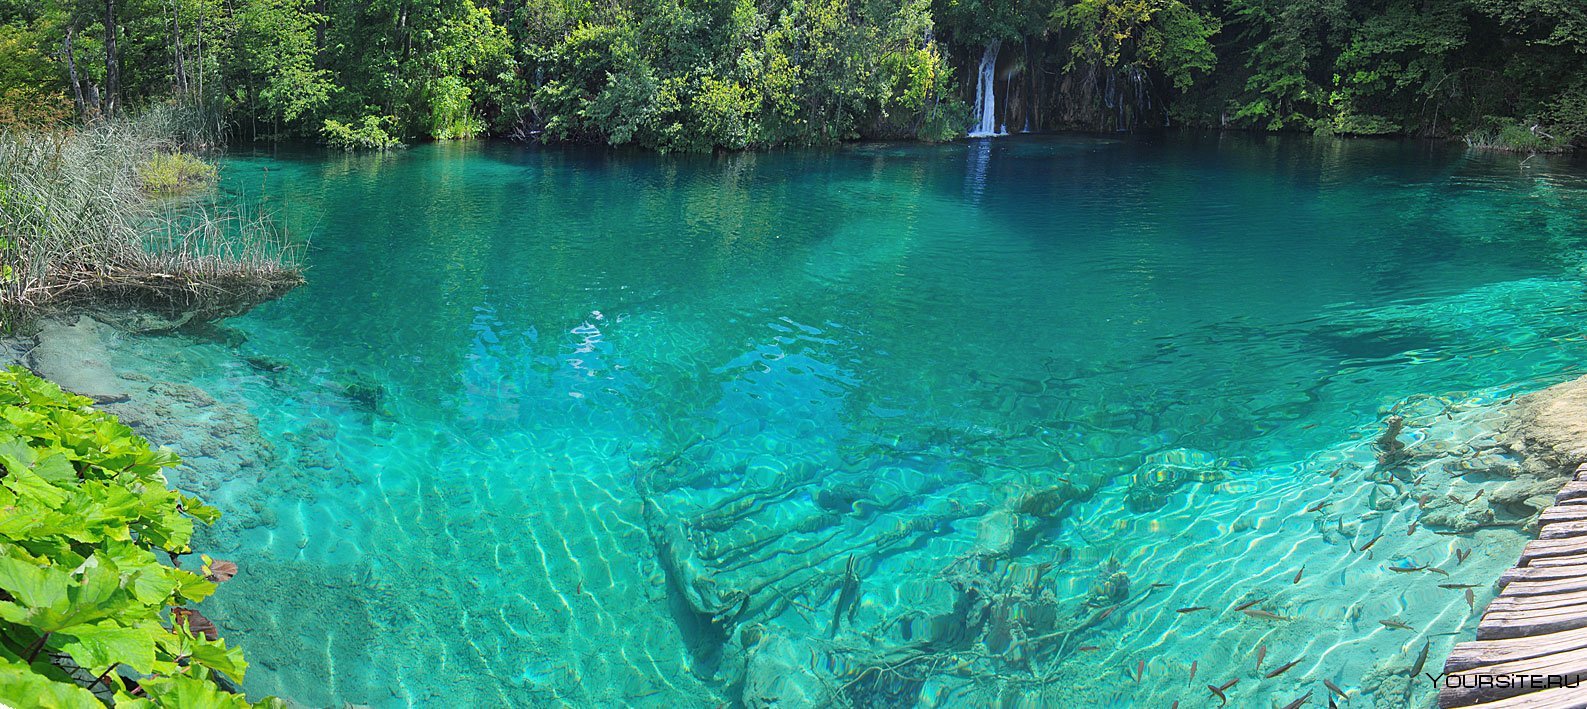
<point>699,74</point>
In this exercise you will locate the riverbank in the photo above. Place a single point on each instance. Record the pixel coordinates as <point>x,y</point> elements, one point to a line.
<point>124,212</point>
<point>1534,627</point>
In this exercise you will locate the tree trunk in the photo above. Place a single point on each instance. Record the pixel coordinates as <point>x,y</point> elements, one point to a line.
<point>112,64</point>
<point>176,47</point>
<point>71,72</point>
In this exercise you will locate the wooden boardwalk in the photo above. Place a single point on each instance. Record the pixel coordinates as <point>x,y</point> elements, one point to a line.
<point>1531,646</point>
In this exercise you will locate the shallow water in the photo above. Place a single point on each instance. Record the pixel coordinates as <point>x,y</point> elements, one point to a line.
<point>873,356</point>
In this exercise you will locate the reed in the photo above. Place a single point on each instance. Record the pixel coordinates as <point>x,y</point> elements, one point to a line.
<point>80,219</point>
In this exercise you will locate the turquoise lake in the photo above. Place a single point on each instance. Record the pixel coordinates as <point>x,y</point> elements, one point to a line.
<point>884,425</point>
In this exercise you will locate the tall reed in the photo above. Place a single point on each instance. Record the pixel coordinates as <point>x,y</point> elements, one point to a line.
<point>77,221</point>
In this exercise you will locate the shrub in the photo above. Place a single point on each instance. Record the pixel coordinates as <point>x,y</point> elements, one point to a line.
<point>83,508</point>
<point>368,133</point>
<point>175,173</point>
<point>1510,135</point>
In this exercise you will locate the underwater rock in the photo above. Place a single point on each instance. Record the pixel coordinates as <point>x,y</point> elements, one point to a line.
<point>1163,473</point>
<point>362,390</point>
<point>1390,449</point>
<point>1548,429</point>
<point>781,673</point>
<point>1111,585</point>
<point>74,356</point>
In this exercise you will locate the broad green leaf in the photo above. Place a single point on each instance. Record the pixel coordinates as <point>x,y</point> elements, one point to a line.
<point>33,586</point>
<point>216,656</point>
<point>184,692</point>
<point>20,686</point>
<point>100,645</point>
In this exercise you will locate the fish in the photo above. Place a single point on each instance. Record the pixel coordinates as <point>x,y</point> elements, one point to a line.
<point>1412,530</point>
<point>1222,700</point>
<point>1336,472</point>
<point>1140,671</point>
<point>1477,496</point>
<point>1283,668</point>
<point>1460,556</point>
<point>1396,624</point>
<point>1335,689</point>
<point>1455,499</point>
<point>1419,479</point>
<point>1421,659</point>
<point>1261,654</point>
<point>1192,609</point>
<point>1369,544</point>
<point>1457,585</point>
<point>1298,702</point>
<point>1471,600</point>
<point>1161,585</point>
<point>1298,574</point>
<point>1259,613</point>
<point>1437,570</point>
<point>1449,416</point>
<point>1421,502</point>
<point>1106,612</point>
<point>1407,569</point>
<point>1320,504</point>
<point>1193,670</point>
<point>848,598</point>
<point>1248,604</point>
<point>1088,648</point>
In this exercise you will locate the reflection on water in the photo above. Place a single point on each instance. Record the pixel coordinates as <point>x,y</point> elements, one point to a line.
<point>885,424</point>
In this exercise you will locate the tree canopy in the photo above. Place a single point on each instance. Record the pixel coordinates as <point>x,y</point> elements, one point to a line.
<point>698,74</point>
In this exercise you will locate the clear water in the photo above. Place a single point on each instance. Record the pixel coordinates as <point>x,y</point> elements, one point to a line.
<point>873,353</point>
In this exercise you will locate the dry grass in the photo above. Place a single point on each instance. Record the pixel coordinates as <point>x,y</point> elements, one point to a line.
<point>77,223</point>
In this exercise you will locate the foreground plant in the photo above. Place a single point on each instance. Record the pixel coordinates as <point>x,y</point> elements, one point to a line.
<point>88,614</point>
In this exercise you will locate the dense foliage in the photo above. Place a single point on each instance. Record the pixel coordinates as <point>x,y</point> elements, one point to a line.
<point>693,74</point>
<point>84,508</point>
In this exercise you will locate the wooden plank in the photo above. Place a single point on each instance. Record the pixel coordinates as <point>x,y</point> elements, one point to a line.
<point>1571,666</point>
<point>1563,513</point>
<point>1496,624</point>
<point>1544,548</point>
<point>1562,530</point>
<point>1536,630</point>
<point>1556,600</point>
<point>1573,490</point>
<point>1542,573</point>
<point>1480,653</point>
<point>1545,586</point>
<point>1568,560</point>
<point>1557,698</point>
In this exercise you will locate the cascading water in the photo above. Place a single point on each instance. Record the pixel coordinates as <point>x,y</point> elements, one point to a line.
<point>985,94</point>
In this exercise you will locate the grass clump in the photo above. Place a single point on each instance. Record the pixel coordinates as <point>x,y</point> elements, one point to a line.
<point>168,174</point>
<point>1512,136</point>
<point>79,219</point>
<point>89,615</point>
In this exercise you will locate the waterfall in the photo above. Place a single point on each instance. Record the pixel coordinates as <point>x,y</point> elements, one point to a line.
<point>985,94</point>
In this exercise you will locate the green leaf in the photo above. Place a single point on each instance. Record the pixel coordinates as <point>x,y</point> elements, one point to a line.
<point>184,692</point>
<point>98,646</point>
<point>20,686</point>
